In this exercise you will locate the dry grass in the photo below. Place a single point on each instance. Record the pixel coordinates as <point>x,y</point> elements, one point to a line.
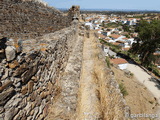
<point>89,104</point>
<point>101,77</point>
<point>139,99</point>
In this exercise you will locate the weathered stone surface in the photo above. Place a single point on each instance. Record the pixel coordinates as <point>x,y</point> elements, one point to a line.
<point>30,86</point>
<point>24,90</point>
<point>13,64</point>
<point>24,118</point>
<point>38,100</point>
<point>19,71</point>
<point>10,113</point>
<point>10,53</point>
<point>36,110</point>
<point>1,110</point>
<point>41,117</point>
<point>6,95</point>
<point>28,74</point>
<point>35,79</point>
<point>44,94</point>
<point>28,108</point>
<point>19,115</point>
<point>29,118</point>
<point>6,73</point>
<point>33,96</point>
<point>2,116</point>
<point>1,71</point>
<point>23,103</point>
<point>5,85</point>
<point>18,85</point>
<point>16,102</point>
<point>45,110</point>
<point>50,87</point>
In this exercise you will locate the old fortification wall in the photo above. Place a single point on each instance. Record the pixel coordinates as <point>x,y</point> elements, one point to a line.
<point>29,68</point>
<point>28,19</point>
<point>28,75</point>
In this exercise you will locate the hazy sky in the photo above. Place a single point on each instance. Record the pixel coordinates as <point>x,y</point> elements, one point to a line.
<point>107,4</point>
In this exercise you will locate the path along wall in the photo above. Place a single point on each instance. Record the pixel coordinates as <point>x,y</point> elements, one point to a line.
<point>28,74</point>
<point>113,104</point>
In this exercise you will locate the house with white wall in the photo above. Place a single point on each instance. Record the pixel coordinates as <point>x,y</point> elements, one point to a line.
<point>89,24</point>
<point>109,52</point>
<point>107,33</point>
<point>120,62</point>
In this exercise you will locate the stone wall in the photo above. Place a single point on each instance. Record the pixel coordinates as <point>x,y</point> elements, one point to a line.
<point>29,71</point>
<point>28,19</point>
<point>113,103</point>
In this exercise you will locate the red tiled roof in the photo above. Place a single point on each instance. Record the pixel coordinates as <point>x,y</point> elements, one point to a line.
<point>126,49</point>
<point>115,36</point>
<point>101,36</point>
<point>115,43</point>
<point>119,61</point>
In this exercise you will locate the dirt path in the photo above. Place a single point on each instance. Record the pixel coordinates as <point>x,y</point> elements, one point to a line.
<point>86,88</point>
<point>65,104</point>
<point>143,77</point>
<point>89,106</point>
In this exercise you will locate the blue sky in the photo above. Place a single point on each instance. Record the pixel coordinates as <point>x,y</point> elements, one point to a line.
<point>107,4</point>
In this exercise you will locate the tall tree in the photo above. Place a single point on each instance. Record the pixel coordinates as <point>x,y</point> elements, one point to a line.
<point>148,41</point>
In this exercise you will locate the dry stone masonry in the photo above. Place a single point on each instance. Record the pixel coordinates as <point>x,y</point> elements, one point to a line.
<point>39,47</point>
<point>28,78</point>
<point>28,19</point>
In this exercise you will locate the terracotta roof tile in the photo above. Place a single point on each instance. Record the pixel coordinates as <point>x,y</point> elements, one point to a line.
<point>118,61</point>
<point>115,36</point>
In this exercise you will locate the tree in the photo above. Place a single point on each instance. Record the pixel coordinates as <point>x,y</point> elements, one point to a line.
<point>103,24</point>
<point>126,28</point>
<point>148,41</point>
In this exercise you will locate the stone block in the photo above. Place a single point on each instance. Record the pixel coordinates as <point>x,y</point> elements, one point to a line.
<point>10,52</point>
<point>30,86</point>
<point>11,113</point>
<point>28,74</point>
<point>19,71</point>
<point>6,95</point>
<point>24,90</point>
<point>5,85</point>
<point>13,64</point>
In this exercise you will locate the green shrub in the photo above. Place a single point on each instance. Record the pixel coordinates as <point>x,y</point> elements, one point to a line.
<point>108,62</point>
<point>123,89</point>
<point>156,71</point>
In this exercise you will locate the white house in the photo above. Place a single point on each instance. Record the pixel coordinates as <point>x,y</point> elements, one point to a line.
<point>131,41</point>
<point>109,52</point>
<point>121,63</point>
<point>124,44</point>
<point>89,24</point>
<point>107,33</point>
